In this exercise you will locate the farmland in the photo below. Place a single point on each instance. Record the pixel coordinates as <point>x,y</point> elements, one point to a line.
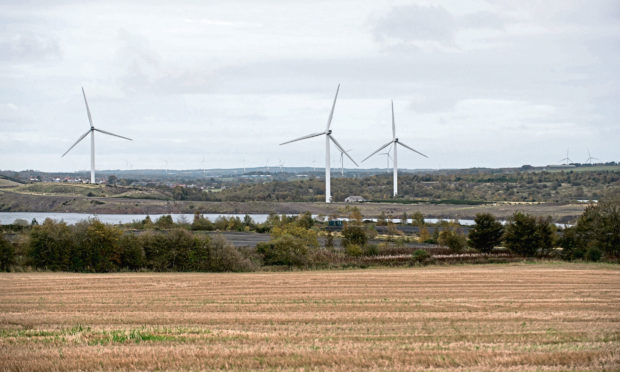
<point>547,316</point>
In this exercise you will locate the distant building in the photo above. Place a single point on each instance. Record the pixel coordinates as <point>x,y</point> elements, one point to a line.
<point>354,199</point>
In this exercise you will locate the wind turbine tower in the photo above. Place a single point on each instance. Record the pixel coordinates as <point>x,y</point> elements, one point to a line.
<point>395,142</point>
<point>92,131</point>
<point>328,137</point>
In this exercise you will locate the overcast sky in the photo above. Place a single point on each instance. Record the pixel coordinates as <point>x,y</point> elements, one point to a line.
<point>208,84</point>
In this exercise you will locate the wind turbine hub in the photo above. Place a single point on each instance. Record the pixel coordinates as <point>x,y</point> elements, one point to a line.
<point>395,139</point>
<point>329,132</point>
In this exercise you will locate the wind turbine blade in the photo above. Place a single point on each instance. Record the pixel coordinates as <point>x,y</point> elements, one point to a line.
<point>90,119</point>
<point>76,142</point>
<point>400,143</point>
<point>331,113</point>
<point>112,134</point>
<point>393,122</point>
<point>304,137</point>
<point>342,150</point>
<point>380,148</point>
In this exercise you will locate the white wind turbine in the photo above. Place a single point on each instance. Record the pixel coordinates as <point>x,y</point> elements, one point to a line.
<point>328,137</point>
<point>568,160</point>
<point>590,158</point>
<point>396,142</point>
<point>91,131</point>
<point>387,160</point>
<point>342,162</point>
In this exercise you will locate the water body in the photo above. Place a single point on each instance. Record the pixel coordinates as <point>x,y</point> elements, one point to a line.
<point>7,218</point>
<point>73,218</point>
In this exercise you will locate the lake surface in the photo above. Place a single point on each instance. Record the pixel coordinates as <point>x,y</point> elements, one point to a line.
<point>7,218</point>
<point>72,218</point>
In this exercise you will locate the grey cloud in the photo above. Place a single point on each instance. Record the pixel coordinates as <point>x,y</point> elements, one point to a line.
<point>28,47</point>
<point>11,113</point>
<point>416,23</point>
<point>141,64</point>
<point>482,20</point>
<point>526,75</point>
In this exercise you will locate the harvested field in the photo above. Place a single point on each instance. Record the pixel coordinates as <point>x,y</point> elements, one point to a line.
<point>554,316</point>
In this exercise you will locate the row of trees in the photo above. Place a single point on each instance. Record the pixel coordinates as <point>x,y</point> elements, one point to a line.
<point>92,246</point>
<point>596,234</point>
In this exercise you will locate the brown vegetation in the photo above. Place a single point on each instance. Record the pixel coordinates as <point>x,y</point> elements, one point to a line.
<point>11,201</point>
<point>517,317</point>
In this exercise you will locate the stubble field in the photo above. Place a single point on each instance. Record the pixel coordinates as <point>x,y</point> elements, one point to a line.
<point>489,317</point>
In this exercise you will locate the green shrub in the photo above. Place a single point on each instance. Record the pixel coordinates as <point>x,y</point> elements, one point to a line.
<point>527,236</point>
<point>417,219</point>
<point>545,235</point>
<point>420,256</point>
<point>284,250</point>
<point>353,234</point>
<point>599,226</point>
<point>52,245</point>
<point>132,252</point>
<point>371,250</point>
<point>201,223</point>
<point>221,223</point>
<point>329,240</point>
<point>235,224</point>
<point>305,220</point>
<point>164,222</point>
<point>180,244</point>
<point>452,237</point>
<point>353,250</point>
<point>453,240</point>
<point>96,247</point>
<point>486,233</point>
<point>578,253</point>
<point>222,256</point>
<point>568,242</point>
<point>593,254</point>
<point>7,254</point>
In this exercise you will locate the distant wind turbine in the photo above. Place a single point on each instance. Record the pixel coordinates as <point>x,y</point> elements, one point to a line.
<point>590,158</point>
<point>568,160</point>
<point>387,159</point>
<point>328,137</point>
<point>91,131</point>
<point>281,164</point>
<point>395,141</point>
<point>342,162</point>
